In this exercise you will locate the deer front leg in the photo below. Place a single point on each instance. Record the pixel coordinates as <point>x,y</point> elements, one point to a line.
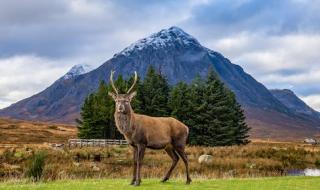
<point>140,155</point>
<point>135,152</point>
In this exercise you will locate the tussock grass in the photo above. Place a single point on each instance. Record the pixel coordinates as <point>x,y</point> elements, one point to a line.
<point>253,160</point>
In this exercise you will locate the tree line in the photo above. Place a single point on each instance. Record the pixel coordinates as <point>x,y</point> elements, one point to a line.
<point>206,106</point>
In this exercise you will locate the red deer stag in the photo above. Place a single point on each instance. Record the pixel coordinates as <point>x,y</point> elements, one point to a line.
<point>143,132</point>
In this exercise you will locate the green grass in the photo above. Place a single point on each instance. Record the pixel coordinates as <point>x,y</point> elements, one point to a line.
<point>279,183</point>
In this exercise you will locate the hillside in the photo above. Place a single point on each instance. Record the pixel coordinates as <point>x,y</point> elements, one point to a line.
<point>24,132</point>
<point>293,102</point>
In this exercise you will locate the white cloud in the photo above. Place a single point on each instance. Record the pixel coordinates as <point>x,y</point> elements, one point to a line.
<point>261,53</point>
<point>312,100</point>
<point>23,76</point>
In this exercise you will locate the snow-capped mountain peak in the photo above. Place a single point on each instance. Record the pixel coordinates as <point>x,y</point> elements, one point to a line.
<point>166,37</point>
<point>77,70</point>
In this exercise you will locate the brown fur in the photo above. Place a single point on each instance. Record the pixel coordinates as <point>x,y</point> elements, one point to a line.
<point>143,132</point>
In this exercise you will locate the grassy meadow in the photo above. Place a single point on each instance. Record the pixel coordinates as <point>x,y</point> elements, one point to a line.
<point>254,160</point>
<point>280,183</point>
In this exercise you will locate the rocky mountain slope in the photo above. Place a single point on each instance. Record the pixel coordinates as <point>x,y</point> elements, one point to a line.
<point>76,71</point>
<point>294,103</point>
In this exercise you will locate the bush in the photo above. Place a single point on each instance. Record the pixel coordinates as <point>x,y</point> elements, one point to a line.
<point>317,163</point>
<point>36,167</point>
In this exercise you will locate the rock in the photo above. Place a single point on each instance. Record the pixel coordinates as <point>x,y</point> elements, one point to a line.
<point>77,164</point>
<point>205,159</point>
<point>10,167</point>
<point>95,168</point>
<point>311,172</point>
<point>310,141</point>
<point>251,165</point>
<point>56,145</point>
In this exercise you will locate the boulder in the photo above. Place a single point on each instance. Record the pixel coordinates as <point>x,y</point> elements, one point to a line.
<point>205,159</point>
<point>310,141</point>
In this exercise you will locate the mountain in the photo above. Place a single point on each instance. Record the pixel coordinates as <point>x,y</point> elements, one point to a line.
<point>180,57</point>
<point>77,70</point>
<point>293,102</point>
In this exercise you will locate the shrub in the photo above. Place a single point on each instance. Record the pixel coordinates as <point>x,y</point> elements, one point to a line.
<point>8,154</point>
<point>36,167</point>
<point>54,127</point>
<point>317,163</point>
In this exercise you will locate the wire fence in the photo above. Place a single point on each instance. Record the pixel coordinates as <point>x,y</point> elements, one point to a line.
<point>95,142</point>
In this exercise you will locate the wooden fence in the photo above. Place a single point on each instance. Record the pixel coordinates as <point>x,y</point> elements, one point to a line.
<point>95,142</point>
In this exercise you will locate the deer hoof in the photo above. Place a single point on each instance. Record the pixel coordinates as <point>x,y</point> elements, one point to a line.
<point>137,183</point>
<point>164,179</point>
<point>132,182</point>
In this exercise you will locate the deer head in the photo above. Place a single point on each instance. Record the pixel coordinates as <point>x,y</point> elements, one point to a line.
<point>123,100</point>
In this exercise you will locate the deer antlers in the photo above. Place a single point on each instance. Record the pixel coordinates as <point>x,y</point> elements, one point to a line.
<point>114,87</point>
<point>134,82</point>
<point>112,83</point>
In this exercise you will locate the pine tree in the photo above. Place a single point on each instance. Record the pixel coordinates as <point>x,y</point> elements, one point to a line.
<point>241,129</point>
<point>217,112</point>
<point>185,102</point>
<point>153,94</point>
<point>179,101</point>
<point>86,118</point>
<point>211,112</point>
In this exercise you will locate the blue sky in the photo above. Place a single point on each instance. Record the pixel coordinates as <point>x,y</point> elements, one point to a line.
<point>277,42</point>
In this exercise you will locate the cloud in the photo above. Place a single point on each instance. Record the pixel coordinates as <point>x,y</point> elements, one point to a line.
<point>286,61</point>
<point>222,18</point>
<point>69,28</point>
<point>22,76</point>
<point>312,100</point>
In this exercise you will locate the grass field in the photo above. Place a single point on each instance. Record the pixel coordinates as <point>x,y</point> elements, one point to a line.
<point>253,160</point>
<point>17,132</point>
<point>279,183</point>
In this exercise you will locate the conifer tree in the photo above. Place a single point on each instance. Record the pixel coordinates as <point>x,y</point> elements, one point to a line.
<point>211,112</point>
<point>153,94</point>
<point>86,118</point>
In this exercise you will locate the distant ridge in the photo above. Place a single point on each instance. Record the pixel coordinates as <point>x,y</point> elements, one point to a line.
<point>294,103</point>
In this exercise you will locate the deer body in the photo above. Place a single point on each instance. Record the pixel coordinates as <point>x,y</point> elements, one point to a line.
<point>146,129</point>
<point>142,131</point>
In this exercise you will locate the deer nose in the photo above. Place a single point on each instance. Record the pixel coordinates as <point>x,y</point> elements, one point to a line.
<point>121,108</point>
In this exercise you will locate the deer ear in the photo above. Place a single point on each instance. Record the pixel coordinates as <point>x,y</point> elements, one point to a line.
<point>112,95</point>
<point>132,95</point>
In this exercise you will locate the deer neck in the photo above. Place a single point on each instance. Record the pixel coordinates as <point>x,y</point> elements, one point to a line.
<point>124,122</point>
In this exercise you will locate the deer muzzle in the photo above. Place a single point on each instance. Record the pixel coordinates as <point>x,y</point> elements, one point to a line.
<point>121,108</point>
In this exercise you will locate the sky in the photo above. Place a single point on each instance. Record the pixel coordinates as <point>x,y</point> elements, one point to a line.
<point>277,42</point>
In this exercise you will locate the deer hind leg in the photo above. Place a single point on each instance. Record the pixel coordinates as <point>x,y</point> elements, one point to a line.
<point>175,158</point>
<point>181,151</point>
<point>140,155</point>
<point>135,152</point>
